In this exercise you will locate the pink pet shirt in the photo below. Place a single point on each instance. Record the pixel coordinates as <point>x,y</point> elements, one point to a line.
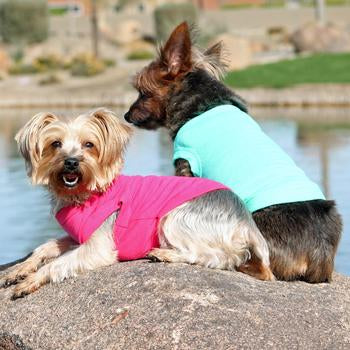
<point>141,201</point>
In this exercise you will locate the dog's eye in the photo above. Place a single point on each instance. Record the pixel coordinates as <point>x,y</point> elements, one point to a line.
<point>56,144</point>
<point>89,144</point>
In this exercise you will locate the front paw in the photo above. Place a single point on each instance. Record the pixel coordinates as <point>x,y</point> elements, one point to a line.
<point>19,273</point>
<point>11,279</point>
<point>32,283</point>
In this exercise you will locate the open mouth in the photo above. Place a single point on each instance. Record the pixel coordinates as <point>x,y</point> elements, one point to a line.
<point>70,179</point>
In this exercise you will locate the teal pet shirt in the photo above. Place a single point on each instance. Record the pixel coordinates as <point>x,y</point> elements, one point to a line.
<point>226,145</point>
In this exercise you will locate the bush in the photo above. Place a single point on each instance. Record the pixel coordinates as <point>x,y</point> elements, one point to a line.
<point>20,68</point>
<point>140,55</point>
<point>48,63</point>
<point>86,66</point>
<point>168,16</point>
<point>24,21</point>
<point>50,79</point>
<point>109,62</point>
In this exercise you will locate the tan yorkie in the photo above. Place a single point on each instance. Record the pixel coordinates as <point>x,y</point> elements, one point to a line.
<point>110,217</point>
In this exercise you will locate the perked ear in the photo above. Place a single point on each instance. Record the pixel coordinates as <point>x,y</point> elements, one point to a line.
<point>215,51</point>
<point>28,138</point>
<point>176,53</point>
<point>115,134</point>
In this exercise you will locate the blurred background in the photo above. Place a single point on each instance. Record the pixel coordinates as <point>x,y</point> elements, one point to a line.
<point>290,59</point>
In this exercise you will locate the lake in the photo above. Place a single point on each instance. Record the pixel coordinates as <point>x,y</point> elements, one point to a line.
<point>319,142</point>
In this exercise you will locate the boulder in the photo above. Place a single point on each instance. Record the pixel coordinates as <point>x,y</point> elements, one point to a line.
<point>127,31</point>
<point>4,61</point>
<point>238,50</point>
<point>142,305</point>
<point>314,37</point>
<point>139,45</point>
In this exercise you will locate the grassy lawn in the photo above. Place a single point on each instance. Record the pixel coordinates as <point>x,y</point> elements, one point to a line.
<point>320,68</point>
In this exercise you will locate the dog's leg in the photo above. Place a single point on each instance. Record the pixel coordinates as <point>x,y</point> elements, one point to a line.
<point>183,168</point>
<point>256,268</point>
<point>98,251</point>
<point>303,239</point>
<point>166,255</point>
<point>214,231</point>
<point>258,265</point>
<point>40,255</point>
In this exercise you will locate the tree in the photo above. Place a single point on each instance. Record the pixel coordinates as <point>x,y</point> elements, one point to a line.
<point>94,28</point>
<point>95,33</point>
<point>320,11</point>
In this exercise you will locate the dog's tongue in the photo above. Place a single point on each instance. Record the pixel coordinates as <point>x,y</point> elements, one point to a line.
<point>70,176</point>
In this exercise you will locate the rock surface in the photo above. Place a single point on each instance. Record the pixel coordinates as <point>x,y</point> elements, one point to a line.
<point>314,37</point>
<point>237,50</point>
<point>140,305</point>
<point>4,61</point>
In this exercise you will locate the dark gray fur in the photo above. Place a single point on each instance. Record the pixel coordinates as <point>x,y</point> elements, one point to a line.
<point>199,92</point>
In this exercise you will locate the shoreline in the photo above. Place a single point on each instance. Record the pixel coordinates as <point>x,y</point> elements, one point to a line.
<point>301,96</point>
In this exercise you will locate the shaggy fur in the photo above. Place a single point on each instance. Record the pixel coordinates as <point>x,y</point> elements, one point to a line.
<point>74,158</point>
<point>178,86</point>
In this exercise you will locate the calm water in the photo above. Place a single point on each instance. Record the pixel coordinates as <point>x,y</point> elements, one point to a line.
<point>322,151</point>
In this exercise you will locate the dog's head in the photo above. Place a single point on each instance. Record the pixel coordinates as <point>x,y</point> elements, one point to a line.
<point>163,76</point>
<point>73,157</point>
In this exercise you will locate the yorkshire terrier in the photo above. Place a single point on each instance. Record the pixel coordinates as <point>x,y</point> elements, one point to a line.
<point>215,138</point>
<point>113,217</point>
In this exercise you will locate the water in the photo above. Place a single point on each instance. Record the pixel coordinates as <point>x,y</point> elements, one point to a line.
<point>321,149</point>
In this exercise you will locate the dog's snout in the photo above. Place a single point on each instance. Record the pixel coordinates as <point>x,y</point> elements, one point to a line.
<point>127,116</point>
<point>71,163</point>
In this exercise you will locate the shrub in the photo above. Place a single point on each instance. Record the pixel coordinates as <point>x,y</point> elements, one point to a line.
<point>50,79</point>
<point>21,68</point>
<point>109,62</point>
<point>24,21</point>
<point>140,55</point>
<point>168,16</point>
<point>86,66</point>
<point>48,63</point>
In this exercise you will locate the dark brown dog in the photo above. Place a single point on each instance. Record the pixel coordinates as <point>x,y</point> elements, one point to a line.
<point>183,83</point>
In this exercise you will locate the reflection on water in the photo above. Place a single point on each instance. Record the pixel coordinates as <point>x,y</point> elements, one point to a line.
<point>323,151</point>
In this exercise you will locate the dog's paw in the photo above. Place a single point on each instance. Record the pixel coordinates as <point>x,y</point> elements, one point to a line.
<point>10,279</point>
<point>28,286</point>
<point>157,255</point>
<point>257,270</point>
<point>165,255</point>
<point>152,258</point>
<point>19,273</point>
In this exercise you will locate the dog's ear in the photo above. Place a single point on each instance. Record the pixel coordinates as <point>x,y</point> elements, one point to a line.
<point>28,138</point>
<point>215,51</point>
<point>114,134</point>
<point>176,53</point>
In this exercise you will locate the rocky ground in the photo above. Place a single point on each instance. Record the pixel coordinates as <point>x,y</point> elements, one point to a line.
<point>142,305</point>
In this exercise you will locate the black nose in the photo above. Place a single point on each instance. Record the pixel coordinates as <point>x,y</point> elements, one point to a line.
<point>71,163</point>
<point>127,117</point>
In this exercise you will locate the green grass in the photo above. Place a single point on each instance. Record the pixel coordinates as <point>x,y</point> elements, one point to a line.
<point>140,55</point>
<point>316,69</point>
<point>280,3</point>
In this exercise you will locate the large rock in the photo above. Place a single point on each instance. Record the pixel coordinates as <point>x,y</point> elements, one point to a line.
<point>127,31</point>
<point>314,37</point>
<point>238,50</point>
<point>140,305</point>
<point>4,61</point>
